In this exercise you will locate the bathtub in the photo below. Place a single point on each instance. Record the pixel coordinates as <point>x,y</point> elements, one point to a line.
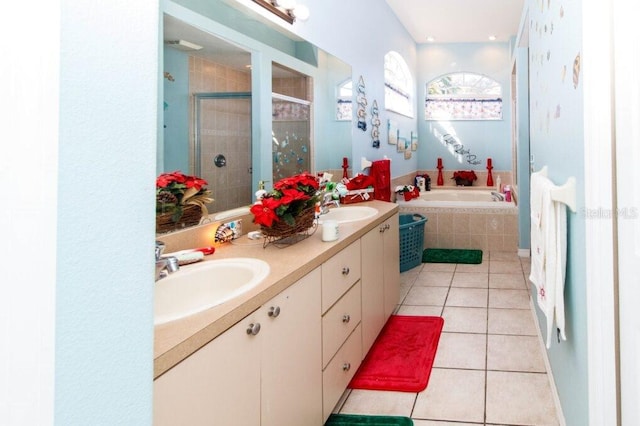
<point>457,198</point>
<point>465,218</point>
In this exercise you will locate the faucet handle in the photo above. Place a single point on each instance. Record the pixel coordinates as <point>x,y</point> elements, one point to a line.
<point>159,249</point>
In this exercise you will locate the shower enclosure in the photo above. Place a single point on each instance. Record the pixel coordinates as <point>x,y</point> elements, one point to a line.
<point>221,151</point>
<point>291,136</point>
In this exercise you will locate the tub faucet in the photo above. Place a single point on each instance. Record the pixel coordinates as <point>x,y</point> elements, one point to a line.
<point>327,201</point>
<point>497,196</point>
<point>164,265</point>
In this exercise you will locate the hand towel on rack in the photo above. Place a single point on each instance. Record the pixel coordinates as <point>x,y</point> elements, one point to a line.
<point>548,252</point>
<point>381,173</point>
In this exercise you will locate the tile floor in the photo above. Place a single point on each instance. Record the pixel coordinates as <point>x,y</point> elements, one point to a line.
<point>489,368</point>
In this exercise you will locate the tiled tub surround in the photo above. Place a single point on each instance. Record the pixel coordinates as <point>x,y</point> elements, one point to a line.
<point>473,227</point>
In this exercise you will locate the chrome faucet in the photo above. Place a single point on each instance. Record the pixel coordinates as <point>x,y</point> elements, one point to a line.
<point>164,265</point>
<point>327,201</point>
<point>497,196</point>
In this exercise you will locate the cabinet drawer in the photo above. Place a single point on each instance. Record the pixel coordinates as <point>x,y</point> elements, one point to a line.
<point>340,371</point>
<point>339,273</point>
<point>339,322</point>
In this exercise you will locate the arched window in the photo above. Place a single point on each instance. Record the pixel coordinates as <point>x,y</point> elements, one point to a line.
<point>463,96</point>
<point>398,85</point>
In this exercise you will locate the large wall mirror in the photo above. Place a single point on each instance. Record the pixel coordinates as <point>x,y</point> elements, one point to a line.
<point>217,106</point>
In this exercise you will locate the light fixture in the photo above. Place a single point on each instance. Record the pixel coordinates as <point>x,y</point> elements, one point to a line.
<point>183,45</point>
<point>285,9</point>
<point>492,37</point>
<point>431,39</point>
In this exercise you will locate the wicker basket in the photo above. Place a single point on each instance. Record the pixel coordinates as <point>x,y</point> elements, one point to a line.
<point>284,234</point>
<point>191,215</point>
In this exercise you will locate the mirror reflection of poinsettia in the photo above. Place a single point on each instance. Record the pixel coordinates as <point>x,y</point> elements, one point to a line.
<point>176,190</point>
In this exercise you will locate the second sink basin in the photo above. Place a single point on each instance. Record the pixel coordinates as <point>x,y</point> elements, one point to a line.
<point>345,214</point>
<point>195,288</point>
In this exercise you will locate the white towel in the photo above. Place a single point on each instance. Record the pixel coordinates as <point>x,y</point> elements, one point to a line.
<point>548,252</point>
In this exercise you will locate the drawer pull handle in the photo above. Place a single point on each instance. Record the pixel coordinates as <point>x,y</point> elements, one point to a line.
<point>345,270</point>
<point>274,311</point>
<point>253,329</point>
<point>387,226</point>
<point>346,366</point>
<point>381,229</point>
<point>346,318</point>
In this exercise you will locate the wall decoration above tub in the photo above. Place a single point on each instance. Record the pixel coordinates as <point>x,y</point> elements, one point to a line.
<point>392,131</point>
<point>463,96</point>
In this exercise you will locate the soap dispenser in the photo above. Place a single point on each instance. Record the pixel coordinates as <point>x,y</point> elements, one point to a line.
<point>260,193</point>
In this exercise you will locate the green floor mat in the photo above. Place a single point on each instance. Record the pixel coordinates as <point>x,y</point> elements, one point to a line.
<point>356,420</point>
<point>435,255</point>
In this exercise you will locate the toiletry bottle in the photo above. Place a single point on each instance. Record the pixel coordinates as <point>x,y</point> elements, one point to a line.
<point>261,191</point>
<point>498,184</point>
<point>507,193</point>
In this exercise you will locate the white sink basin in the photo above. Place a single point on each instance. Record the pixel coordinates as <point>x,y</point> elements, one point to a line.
<point>195,288</point>
<point>345,214</point>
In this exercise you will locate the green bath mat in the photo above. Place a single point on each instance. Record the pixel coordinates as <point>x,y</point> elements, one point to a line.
<point>451,256</point>
<point>357,420</point>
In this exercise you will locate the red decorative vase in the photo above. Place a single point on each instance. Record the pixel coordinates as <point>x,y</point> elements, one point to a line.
<point>489,176</point>
<point>439,167</point>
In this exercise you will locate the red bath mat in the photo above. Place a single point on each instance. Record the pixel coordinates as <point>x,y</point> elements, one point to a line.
<point>402,356</point>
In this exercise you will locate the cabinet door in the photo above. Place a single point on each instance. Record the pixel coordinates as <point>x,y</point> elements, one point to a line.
<point>373,315</point>
<point>291,355</point>
<point>217,385</point>
<point>391,265</point>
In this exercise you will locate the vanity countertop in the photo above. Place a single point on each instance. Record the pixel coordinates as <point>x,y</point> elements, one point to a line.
<point>174,341</point>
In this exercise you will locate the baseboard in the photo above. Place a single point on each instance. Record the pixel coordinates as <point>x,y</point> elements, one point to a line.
<point>524,252</point>
<point>547,365</point>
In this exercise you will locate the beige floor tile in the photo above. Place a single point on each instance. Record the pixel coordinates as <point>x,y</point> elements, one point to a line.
<point>379,403</point>
<point>408,277</point>
<point>464,320</point>
<point>461,350</point>
<point>404,289</point>
<point>467,267</point>
<point>438,267</point>
<point>505,267</point>
<point>515,353</point>
<point>509,256</point>
<point>514,281</point>
<point>470,297</point>
<point>468,279</point>
<point>456,395</point>
<point>435,423</point>
<point>428,311</point>
<point>510,321</point>
<point>433,296</point>
<point>437,279</point>
<point>519,399</point>
<point>514,299</point>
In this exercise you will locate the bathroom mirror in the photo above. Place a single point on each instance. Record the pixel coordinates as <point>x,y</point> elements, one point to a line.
<point>212,105</point>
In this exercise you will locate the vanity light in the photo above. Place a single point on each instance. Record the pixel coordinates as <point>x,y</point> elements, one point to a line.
<point>285,9</point>
<point>183,45</point>
<point>492,38</point>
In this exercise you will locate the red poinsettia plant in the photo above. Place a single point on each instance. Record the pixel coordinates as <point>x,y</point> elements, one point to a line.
<point>175,190</point>
<point>289,197</point>
<point>468,175</point>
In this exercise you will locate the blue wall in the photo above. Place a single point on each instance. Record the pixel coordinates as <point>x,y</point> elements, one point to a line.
<point>483,138</point>
<point>521,59</point>
<point>556,99</point>
<point>176,112</point>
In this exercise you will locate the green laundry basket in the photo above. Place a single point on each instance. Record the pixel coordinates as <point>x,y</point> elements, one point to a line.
<point>411,240</point>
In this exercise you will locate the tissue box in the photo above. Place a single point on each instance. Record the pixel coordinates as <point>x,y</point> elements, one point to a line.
<point>357,196</point>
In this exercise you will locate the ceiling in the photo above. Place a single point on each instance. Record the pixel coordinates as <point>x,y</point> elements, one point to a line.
<point>459,21</point>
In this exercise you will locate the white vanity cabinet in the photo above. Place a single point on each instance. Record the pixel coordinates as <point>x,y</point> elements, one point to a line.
<point>262,371</point>
<point>380,278</point>
<point>341,316</point>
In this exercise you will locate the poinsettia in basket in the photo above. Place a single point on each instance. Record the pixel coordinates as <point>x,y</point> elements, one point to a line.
<point>180,201</point>
<point>287,213</point>
<point>464,177</point>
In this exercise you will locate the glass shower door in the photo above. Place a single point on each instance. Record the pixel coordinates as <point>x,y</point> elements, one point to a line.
<point>222,147</point>
<point>291,138</point>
